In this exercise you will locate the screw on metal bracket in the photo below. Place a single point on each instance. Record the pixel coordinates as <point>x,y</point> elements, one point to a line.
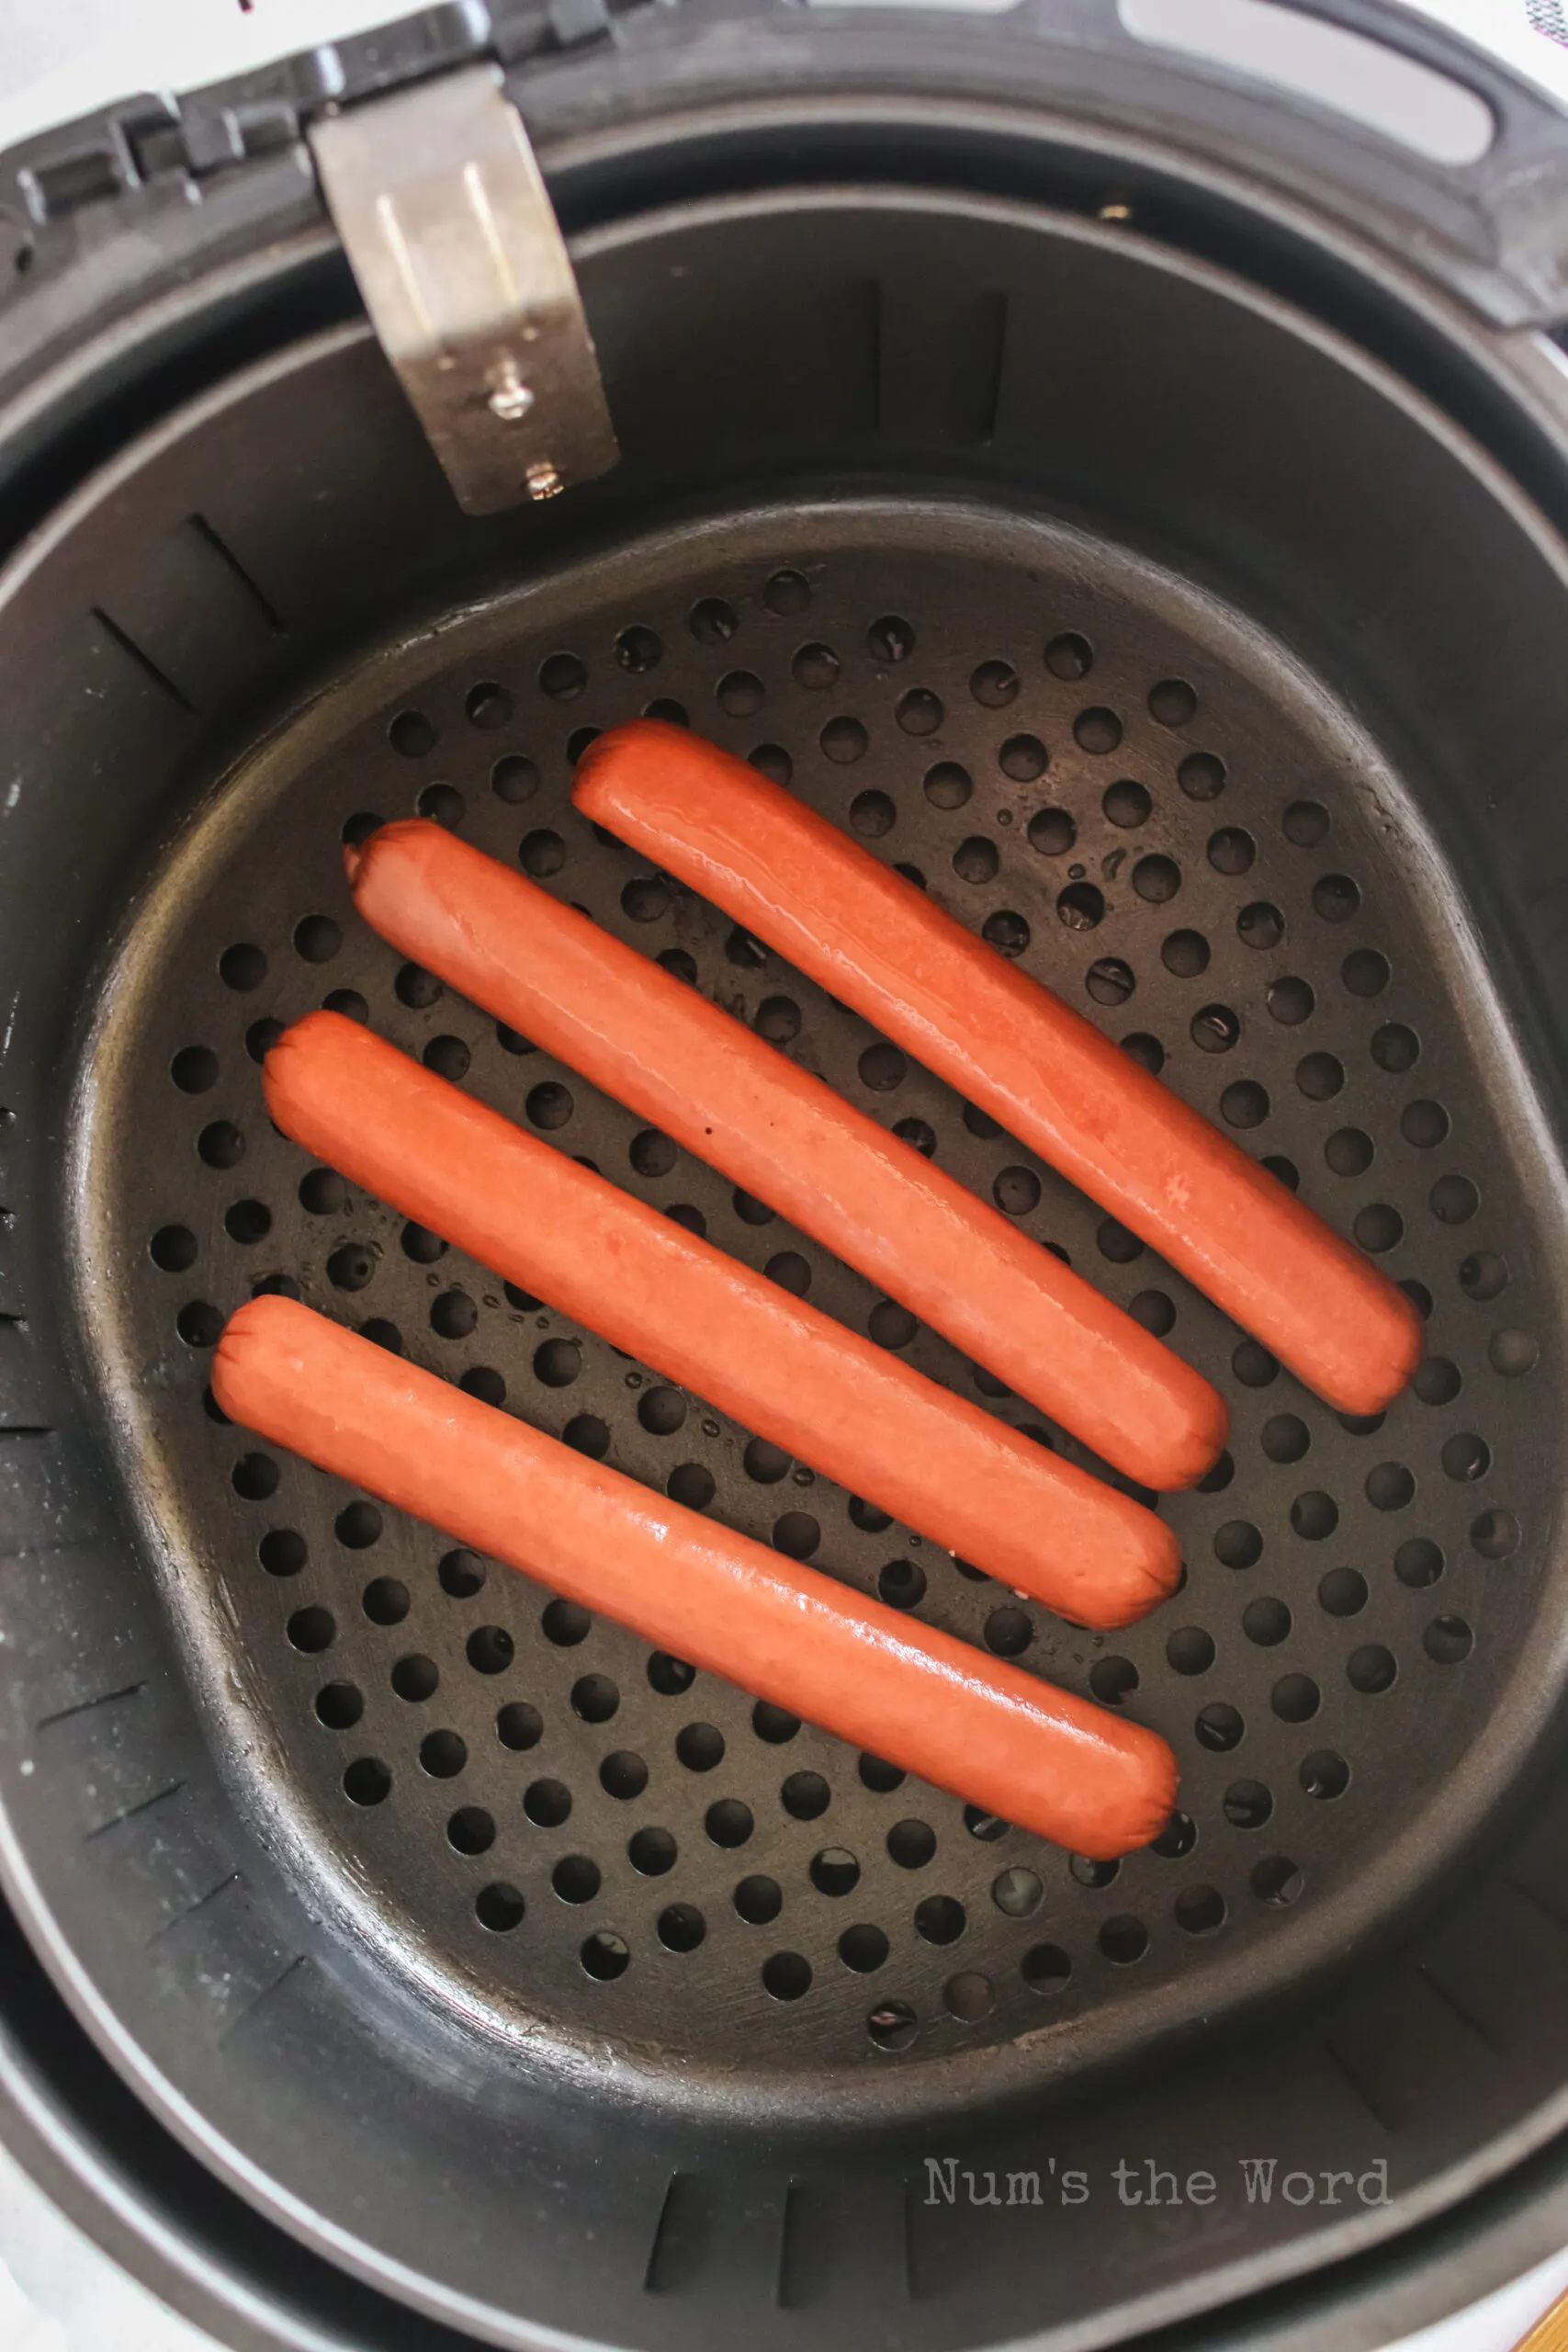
<point>451,235</point>
<point>511,398</point>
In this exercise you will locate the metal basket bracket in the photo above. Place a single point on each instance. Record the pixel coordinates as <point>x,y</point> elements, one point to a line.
<point>450,232</point>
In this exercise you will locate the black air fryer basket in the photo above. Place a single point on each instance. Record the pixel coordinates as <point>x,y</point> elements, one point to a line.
<point>1130,495</point>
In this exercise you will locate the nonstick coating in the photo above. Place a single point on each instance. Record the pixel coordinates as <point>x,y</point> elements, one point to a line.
<point>1117,782</point>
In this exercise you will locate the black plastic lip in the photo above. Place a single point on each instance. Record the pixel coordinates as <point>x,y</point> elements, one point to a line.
<point>111,386</point>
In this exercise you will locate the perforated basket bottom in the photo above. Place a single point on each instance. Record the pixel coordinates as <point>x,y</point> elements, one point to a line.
<point>1142,800</point>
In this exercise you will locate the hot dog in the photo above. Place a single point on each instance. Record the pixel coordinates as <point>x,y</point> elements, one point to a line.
<point>987,1730</point>
<point>702,1077</point>
<point>882,945</point>
<point>661,1295</point>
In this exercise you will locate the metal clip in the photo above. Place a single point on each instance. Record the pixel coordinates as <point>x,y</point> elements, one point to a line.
<point>451,235</point>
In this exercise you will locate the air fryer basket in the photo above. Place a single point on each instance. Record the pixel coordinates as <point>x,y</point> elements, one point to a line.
<point>1173,586</point>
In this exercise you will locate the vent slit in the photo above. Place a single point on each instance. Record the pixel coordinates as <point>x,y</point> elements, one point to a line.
<point>854,338</point>
<point>1538,1901</point>
<point>232,1878</point>
<point>145,1804</point>
<point>276,624</point>
<point>654,2279</point>
<point>295,1965</point>
<point>785,2286</point>
<point>1353,2081</point>
<point>144,661</point>
<point>983,353</point>
<point>86,1706</point>
<point>1450,2001</point>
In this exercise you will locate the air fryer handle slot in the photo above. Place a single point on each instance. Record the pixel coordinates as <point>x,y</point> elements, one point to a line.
<point>450,232</point>
<point>1511,187</point>
<point>1313,54</point>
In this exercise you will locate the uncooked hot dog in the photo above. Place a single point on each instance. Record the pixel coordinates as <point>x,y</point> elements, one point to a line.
<point>984,1730</point>
<point>879,943</point>
<point>701,1076</point>
<point>658,1293</point>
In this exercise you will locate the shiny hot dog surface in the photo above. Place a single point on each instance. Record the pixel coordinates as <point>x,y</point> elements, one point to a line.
<point>675,1302</point>
<point>880,944</point>
<point>987,1730</point>
<point>701,1076</point>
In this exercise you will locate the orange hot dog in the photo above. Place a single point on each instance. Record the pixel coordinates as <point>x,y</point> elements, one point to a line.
<point>987,1730</point>
<point>656,1291</point>
<point>699,1075</point>
<point>881,946</point>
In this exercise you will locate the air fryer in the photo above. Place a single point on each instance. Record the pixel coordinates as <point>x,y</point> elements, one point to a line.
<point>1127,492</point>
